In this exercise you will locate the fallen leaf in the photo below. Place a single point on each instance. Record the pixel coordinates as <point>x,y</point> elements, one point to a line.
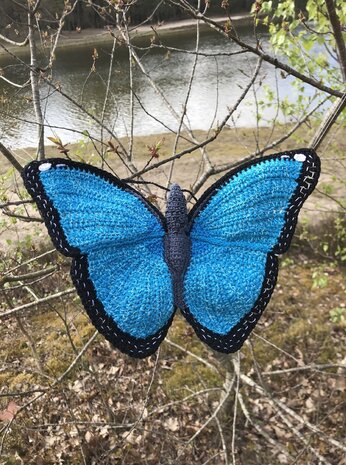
<point>172,424</point>
<point>9,412</point>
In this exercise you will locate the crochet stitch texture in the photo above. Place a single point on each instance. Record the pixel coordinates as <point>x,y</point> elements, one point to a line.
<point>133,267</point>
<point>230,240</point>
<point>125,257</point>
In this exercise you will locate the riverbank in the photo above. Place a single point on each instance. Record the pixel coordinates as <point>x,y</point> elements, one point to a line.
<point>97,37</point>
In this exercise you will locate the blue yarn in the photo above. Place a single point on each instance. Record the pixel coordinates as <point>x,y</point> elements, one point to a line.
<point>124,243</point>
<point>250,207</point>
<point>222,284</point>
<point>231,237</point>
<point>134,285</point>
<point>105,217</point>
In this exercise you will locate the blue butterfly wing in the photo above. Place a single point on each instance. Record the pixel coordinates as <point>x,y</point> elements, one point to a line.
<point>116,240</point>
<point>237,229</point>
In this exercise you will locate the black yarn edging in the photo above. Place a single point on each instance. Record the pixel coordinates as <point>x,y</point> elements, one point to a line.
<point>235,338</point>
<point>135,347</point>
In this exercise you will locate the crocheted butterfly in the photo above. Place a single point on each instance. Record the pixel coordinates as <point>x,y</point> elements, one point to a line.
<point>133,267</point>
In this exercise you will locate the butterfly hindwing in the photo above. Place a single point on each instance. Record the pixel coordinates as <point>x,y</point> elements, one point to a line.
<point>116,240</point>
<point>237,229</point>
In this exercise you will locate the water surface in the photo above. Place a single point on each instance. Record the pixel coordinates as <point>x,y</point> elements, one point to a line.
<point>217,85</point>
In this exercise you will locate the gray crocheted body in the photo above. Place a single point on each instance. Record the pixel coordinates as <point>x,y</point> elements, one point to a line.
<point>177,242</point>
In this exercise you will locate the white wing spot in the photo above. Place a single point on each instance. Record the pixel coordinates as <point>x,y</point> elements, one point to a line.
<point>45,166</point>
<point>300,157</point>
<point>60,165</point>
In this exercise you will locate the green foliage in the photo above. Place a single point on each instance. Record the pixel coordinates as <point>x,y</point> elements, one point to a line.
<point>319,278</point>
<point>286,262</point>
<point>337,315</point>
<point>330,239</point>
<point>304,40</point>
<point>341,245</point>
<point>299,36</point>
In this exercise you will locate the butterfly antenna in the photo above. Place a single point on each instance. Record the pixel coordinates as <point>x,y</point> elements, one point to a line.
<point>191,193</point>
<point>132,181</point>
<point>167,189</point>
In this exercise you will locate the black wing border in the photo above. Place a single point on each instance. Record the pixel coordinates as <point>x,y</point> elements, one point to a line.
<point>135,347</point>
<point>306,182</point>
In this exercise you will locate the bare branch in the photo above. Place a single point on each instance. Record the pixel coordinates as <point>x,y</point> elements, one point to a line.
<point>188,352</point>
<point>77,359</point>
<point>10,157</point>
<point>28,219</point>
<point>332,115</point>
<point>62,19</point>
<point>16,310</point>
<point>15,84</point>
<point>261,430</point>
<point>27,262</point>
<point>24,277</point>
<point>191,52</point>
<point>312,367</point>
<point>214,414</point>
<point>15,203</point>
<point>20,5</point>
<point>13,42</point>
<point>281,405</point>
<point>187,97</point>
<point>209,139</point>
<point>34,79</point>
<point>337,30</point>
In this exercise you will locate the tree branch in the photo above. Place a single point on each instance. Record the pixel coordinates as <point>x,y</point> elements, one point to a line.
<point>330,118</point>
<point>10,157</point>
<point>255,50</point>
<point>34,78</point>
<point>14,84</point>
<point>34,274</point>
<point>13,42</point>
<point>209,139</point>
<point>16,310</point>
<point>340,43</point>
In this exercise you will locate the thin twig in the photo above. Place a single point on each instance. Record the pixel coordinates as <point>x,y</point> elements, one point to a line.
<point>209,139</point>
<point>34,79</point>
<point>21,308</point>
<point>337,33</point>
<point>10,157</point>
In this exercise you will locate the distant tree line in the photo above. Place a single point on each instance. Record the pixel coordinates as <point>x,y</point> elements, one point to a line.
<point>93,13</point>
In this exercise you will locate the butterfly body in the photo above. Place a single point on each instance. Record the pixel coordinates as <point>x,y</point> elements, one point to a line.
<point>133,267</point>
<point>177,243</point>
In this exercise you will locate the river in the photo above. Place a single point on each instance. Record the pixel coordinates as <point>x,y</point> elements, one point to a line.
<point>217,85</point>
